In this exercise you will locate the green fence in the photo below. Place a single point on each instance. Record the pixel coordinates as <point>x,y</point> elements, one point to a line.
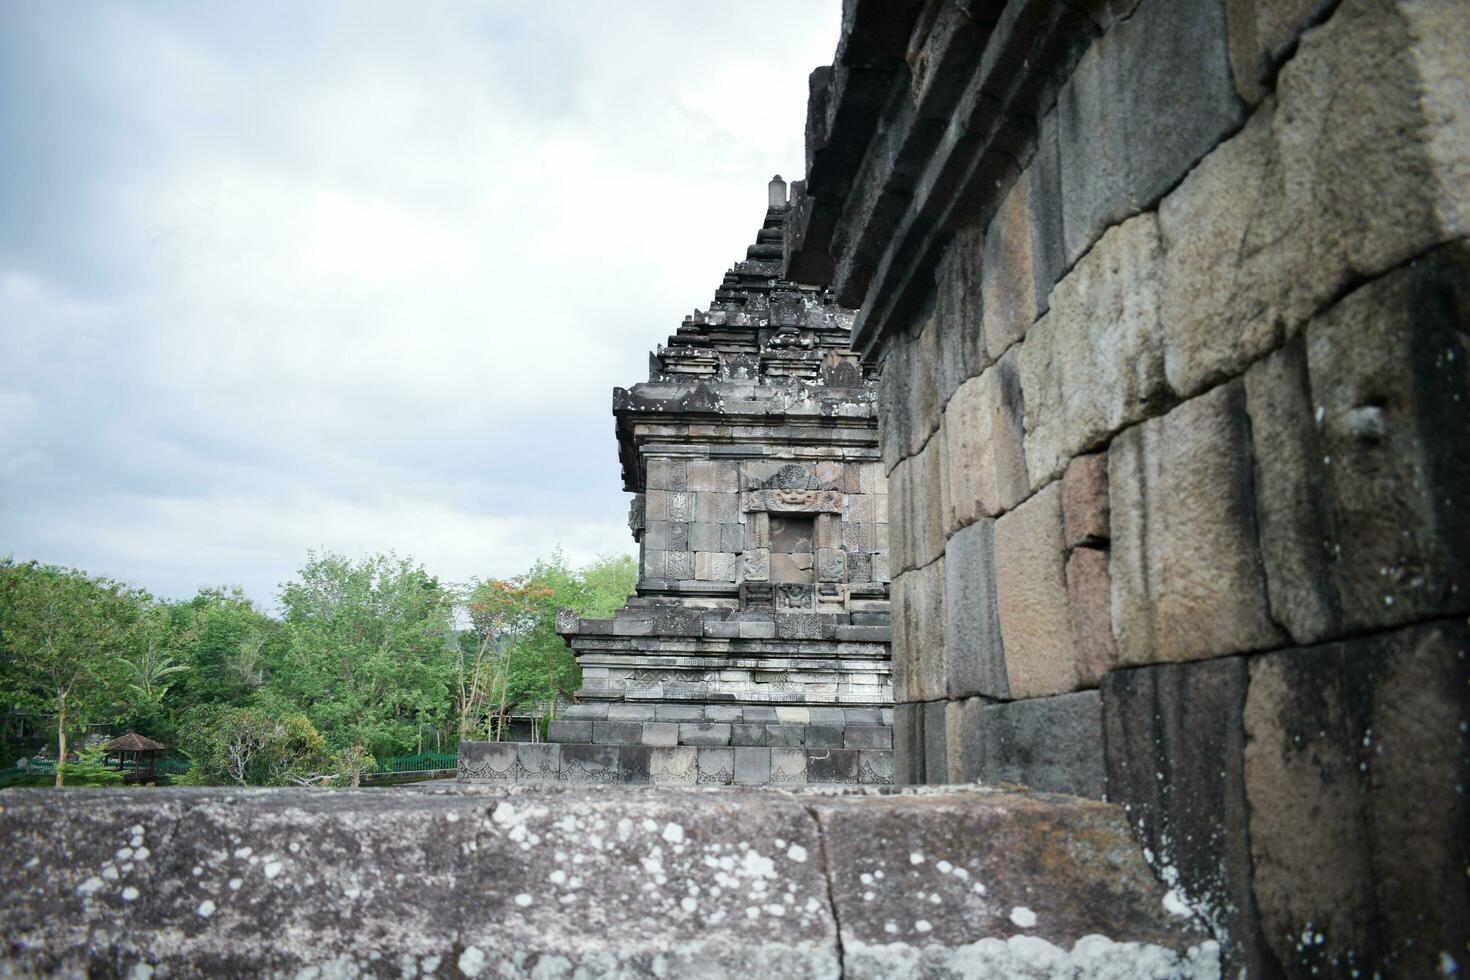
<point>423,762</point>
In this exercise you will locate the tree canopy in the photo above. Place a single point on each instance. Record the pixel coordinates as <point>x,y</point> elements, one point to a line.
<point>364,657</point>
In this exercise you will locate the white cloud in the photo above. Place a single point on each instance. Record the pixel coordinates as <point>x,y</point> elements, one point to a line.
<point>361,276</point>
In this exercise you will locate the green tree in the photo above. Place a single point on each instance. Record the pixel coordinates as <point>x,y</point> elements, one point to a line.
<point>249,747</point>
<point>62,634</point>
<point>366,651</point>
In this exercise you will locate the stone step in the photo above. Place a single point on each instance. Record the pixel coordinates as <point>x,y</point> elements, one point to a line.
<point>760,734</point>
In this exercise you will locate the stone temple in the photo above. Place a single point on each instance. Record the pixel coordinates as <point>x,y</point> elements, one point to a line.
<point>756,648</point>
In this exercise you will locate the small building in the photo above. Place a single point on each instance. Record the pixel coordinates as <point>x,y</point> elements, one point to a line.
<point>137,756</point>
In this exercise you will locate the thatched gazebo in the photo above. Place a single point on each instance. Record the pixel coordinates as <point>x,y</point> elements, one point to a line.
<point>136,756</point>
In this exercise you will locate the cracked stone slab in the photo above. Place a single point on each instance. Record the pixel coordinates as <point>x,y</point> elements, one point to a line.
<point>599,881</point>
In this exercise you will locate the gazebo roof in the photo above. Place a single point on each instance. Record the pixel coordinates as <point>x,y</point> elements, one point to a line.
<point>133,742</point>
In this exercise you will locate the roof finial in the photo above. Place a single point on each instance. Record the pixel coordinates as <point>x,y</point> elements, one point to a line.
<point>776,192</point>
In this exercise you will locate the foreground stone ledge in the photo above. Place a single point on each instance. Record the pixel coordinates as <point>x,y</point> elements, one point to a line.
<point>608,881</point>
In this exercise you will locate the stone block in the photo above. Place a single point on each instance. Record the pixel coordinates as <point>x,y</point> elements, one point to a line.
<point>1031,597</point>
<point>752,766</point>
<point>674,767</point>
<point>1355,766</point>
<point>660,733</point>
<point>655,562</point>
<point>666,474</point>
<point>1361,495</point>
<point>748,734</point>
<point>788,735</point>
<point>1089,611</point>
<point>875,767</point>
<point>630,712</point>
<point>831,565</point>
<point>823,736</point>
<point>714,475</point>
<point>936,751</point>
<point>1052,744</point>
<point>704,536</point>
<point>718,508</point>
<point>562,730</point>
<point>1161,80</point>
<point>958,314</point>
<point>908,744</point>
<point>1095,362</point>
<point>703,733</point>
<point>656,536</point>
<point>678,536</point>
<point>487,762</point>
<point>985,462</point>
<point>798,626</point>
<point>716,766</point>
<point>758,712</point>
<point>721,631</point>
<point>635,764</point>
<point>923,620</point>
<point>1262,33</point>
<point>756,565</point>
<point>863,716</point>
<point>867,737</point>
<point>757,629</point>
<point>859,567</point>
<point>1008,280</point>
<point>964,756</point>
<point>831,765</point>
<point>678,712</point>
<point>928,495</point>
<point>788,766</point>
<point>1072,863</point>
<point>617,732</point>
<point>586,711</point>
<point>1186,573</point>
<point>975,657</point>
<point>714,566</point>
<point>680,565</point>
<point>827,716</point>
<point>1174,743</point>
<point>538,762</point>
<point>1048,242</point>
<point>1085,500</point>
<point>793,714</point>
<point>1357,165</point>
<point>732,538</point>
<point>590,764</point>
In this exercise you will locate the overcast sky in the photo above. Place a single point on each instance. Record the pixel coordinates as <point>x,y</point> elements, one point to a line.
<point>360,276</point>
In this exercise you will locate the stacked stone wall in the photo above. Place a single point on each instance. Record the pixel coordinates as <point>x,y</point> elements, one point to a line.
<point>1174,326</point>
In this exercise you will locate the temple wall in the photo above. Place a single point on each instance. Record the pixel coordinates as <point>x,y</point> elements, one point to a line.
<point>1171,302</point>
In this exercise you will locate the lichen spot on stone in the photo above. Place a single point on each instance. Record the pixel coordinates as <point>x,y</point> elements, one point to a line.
<point>452,817</point>
<point>505,815</point>
<point>91,885</point>
<point>130,894</point>
<point>916,858</point>
<point>523,899</point>
<point>235,884</point>
<point>673,833</point>
<point>796,853</point>
<point>471,962</point>
<point>272,869</point>
<point>922,925</point>
<point>205,909</point>
<point>242,853</point>
<point>1023,917</point>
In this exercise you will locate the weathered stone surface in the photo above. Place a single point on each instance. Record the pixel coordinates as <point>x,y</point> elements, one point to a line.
<point>936,752</point>
<point>984,462</point>
<point>832,766</point>
<point>405,882</point>
<point>1095,362</point>
<point>703,733</point>
<point>1052,744</point>
<point>1261,33</point>
<point>1362,494</point>
<point>1008,287</point>
<point>1358,164</point>
<point>617,732</point>
<point>716,766</point>
<point>1031,596</point>
<point>752,766</point>
<point>908,743</point>
<point>1089,610</point>
<point>958,310</point>
<point>963,741</point>
<point>925,618</point>
<point>1161,79</point>
<point>1014,892</point>
<point>974,653</point>
<point>1175,743</point>
<point>1186,574</point>
<point>1085,500</point>
<point>1355,771</point>
<point>562,730</point>
<point>590,764</point>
